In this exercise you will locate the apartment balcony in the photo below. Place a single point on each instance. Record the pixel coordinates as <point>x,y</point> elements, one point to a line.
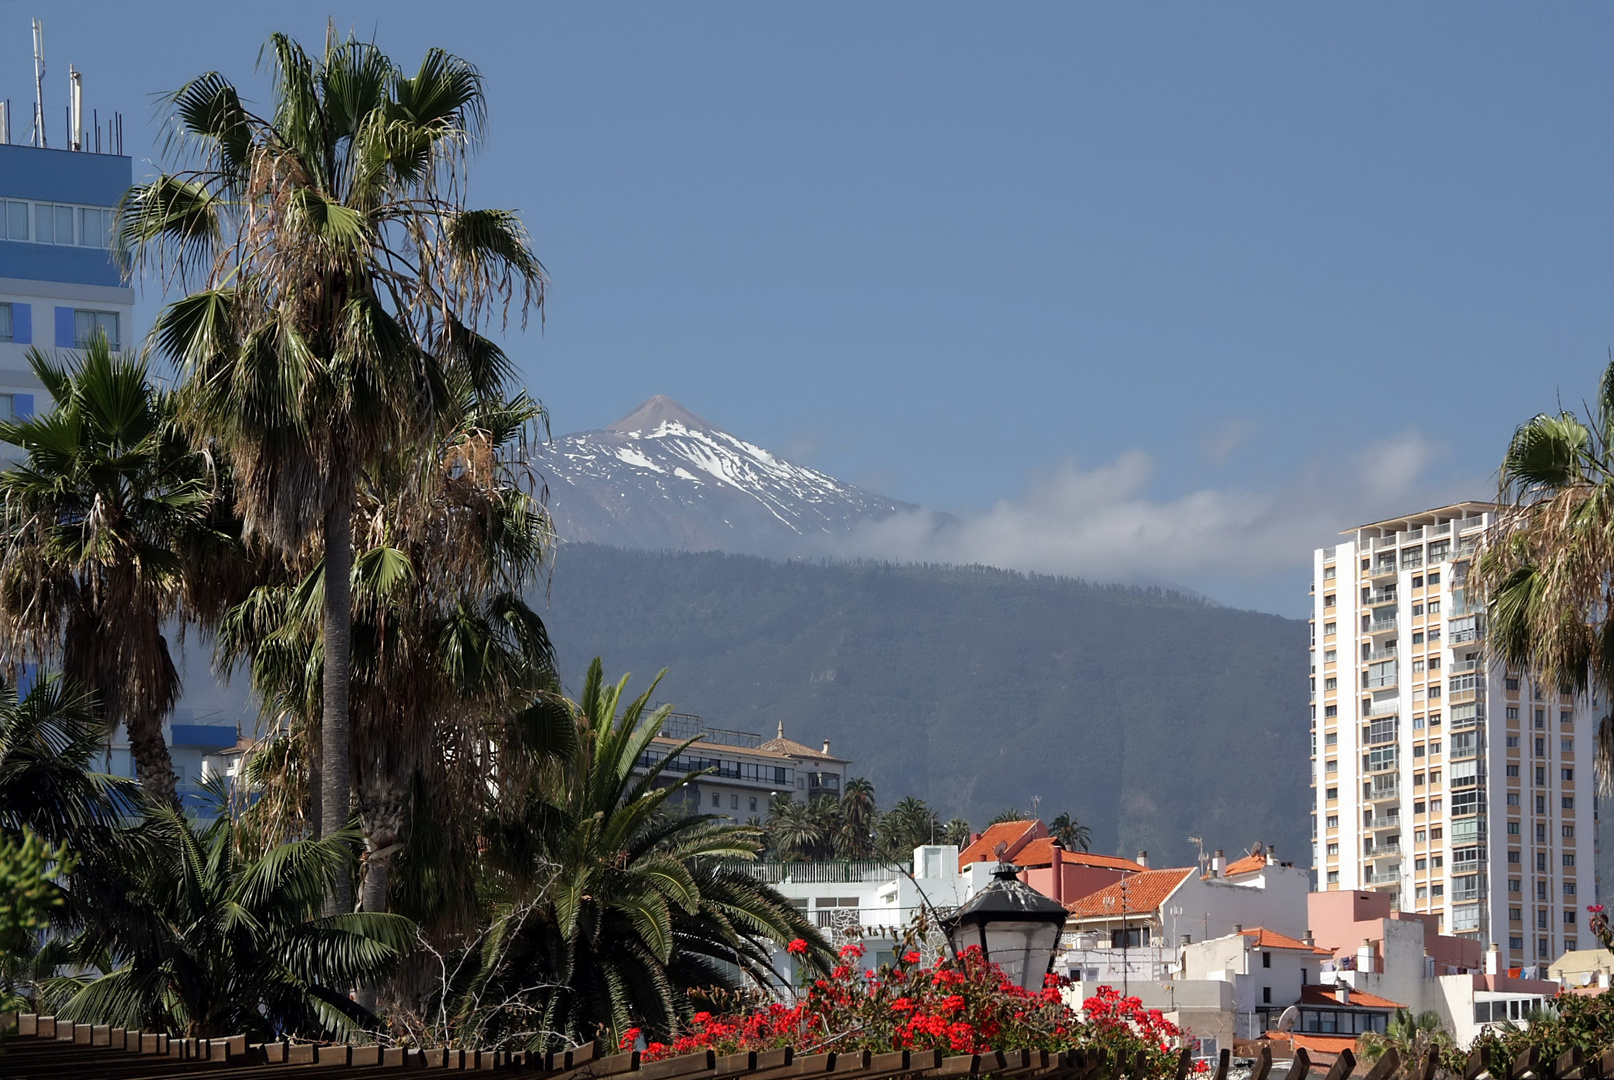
<point>1381,654</point>
<point>1385,851</point>
<point>1388,707</point>
<point>1383,682</point>
<point>1465,695</point>
<point>1382,570</point>
<point>1462,667</point>
<point>1383,596</point>
<point>1411,560</point>
<point>1384,794</point>
<point>1468,866</point>
<point>1385,821</point>
<point>1390,876</point>
<point>1386,625</point>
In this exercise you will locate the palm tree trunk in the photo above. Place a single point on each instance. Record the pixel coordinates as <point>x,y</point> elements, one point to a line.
<point>336,788</point>
<point>382,821</point>
<point>153,766</point>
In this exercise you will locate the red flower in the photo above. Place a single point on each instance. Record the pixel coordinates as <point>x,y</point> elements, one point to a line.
<point>910,958</point>
<point>797,947</point>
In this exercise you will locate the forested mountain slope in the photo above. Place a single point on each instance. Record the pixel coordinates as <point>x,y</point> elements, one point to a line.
<point>1150,716</point>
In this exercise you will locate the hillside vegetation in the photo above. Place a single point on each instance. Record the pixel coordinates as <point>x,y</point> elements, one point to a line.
<point>1150,716</point>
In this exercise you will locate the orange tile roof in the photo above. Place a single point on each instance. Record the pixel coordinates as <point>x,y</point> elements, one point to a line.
<point>1271,939</point>
<point>1144,892</point>
<point>1040,852</point>
<point>1316,994</point>
<point>1004,832</point>
<point>1328,1044</point>
<point>1247,865</point>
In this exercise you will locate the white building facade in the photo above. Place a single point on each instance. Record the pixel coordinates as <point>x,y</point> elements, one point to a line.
<point>1441,776</point>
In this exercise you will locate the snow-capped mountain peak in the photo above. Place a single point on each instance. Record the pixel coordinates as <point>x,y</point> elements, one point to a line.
<point>664,477</point>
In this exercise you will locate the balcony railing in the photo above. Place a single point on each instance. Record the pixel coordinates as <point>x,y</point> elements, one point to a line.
<point>1385,793</point>
<point>1382,708</point>
<point>1385,877</point>
<point>1469,866</point>
<point>817,873</point>
<point>1380,654</point>
<point>1382,597</point>
<point>1391,821</point>
<point>1463,666</point>
<point>1380,683</point>
<point>1380,626</point>
<point>1382,570</point>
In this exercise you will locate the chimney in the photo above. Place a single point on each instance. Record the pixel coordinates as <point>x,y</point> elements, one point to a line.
<point>1058,868</point>
<point>1187,939</point>
<point>826,746</point>
<point>1308,939</point>
<point>1493,960</point>
<point>1238,928</point>
<point>1342,992</point>
<point>1272,856</point>
<point>1218,863</point>
<point>1364,957</point>
<point>1143,859</point>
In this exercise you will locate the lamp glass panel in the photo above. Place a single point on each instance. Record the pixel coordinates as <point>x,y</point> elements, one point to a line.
<point>1022,950</point>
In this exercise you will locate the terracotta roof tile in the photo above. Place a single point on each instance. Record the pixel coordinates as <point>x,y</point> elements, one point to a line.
<point>1247,865</point>
<point>1106,862</point>
<point>1316,994</point>
<point>1328,1044</point>
<point>1144,891</point>
<point>1271,939</point>
<point>1004,832</point>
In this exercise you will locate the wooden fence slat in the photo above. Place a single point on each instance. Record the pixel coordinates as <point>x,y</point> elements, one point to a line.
<point>1386,1066</point>
<point>1263,1063</point>
<point>1185,1061</point>
<point>1226,1059</point>
<point>1299,1067</point>
<point>1343,1066</point>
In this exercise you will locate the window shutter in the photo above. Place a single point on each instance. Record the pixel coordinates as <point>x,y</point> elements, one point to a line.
<point>22,324</point>
<point>64,328</point>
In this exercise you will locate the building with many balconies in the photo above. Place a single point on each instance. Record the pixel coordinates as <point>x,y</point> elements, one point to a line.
<point>743,773</point>
<point>1442,777</point>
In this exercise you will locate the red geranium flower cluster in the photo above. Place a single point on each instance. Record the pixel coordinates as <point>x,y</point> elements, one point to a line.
<point>957,1005</point>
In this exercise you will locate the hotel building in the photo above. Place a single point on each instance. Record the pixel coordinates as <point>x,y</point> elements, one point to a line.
<point>1441,777</point>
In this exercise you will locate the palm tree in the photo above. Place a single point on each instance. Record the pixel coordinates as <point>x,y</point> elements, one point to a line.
<point>801,832</point>
<point>47,742</point>
<point>1413,1038</point>
<point>1009,813</point>
<point>444,646</point>
<point>1546,566</point>
<point>615,905</point>
<point>197,941</point>
<point>956,832</point>
<point>907,825</point>
<point>105,520</point>
<point>855,839</point>
<point>342,283</point>
<point>1071,834</point>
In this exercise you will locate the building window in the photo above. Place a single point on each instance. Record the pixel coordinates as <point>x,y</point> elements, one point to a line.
<point>1516,944</point>
<point>1328,573</point>
<point>1569,888</point>
<point>1437,890</point>
<point>1543,948</point>
<point>717,800</point>
<point>1513,798</point>
<point>1513,770</point>
<point>1435,834</point>
<point>5,322</point>
<point>1569,858</point>
<point>753,804</point>
<point>1328,629</point>
<point>1568,832</point>
<point>87,324</point>
<point>1515,885</point>
<point>1333,877</point>
<point>1511,684</point>
<point>1328,600</point>
<point>1266,961</point>
<point>1569,944</point>
<point>1419,836</point>
<point>1331,794</point>
<point>1333,849</point>
<point>1513,857</point>
<point>1567,775</point>
<point>1566,745</point>
<point>1569,802</point>
<point>1266,995</point>
<point>1332,821</point>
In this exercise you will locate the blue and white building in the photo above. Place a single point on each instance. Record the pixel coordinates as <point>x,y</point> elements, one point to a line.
<point>59,284</point>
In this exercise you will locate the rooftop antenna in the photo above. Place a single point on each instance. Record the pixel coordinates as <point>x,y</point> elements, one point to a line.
<point>75,105</point>
<point>39,85</point>
<point>1200,841</point>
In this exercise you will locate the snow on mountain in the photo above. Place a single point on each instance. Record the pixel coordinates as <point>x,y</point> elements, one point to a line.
<point>664,478</point>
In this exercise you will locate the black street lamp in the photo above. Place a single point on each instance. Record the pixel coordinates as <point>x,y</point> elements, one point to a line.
<point>1016,927</point>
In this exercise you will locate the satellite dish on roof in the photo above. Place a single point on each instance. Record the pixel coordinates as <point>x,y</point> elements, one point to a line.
<point>1586,979</point>
<point>1287,1020</point>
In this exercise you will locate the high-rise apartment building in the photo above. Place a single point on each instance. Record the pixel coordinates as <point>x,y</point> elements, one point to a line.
<point>59,285</point>
<point>1442,777</point>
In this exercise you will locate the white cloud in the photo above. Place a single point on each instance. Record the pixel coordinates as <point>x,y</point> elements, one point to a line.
<point>1104,525</point>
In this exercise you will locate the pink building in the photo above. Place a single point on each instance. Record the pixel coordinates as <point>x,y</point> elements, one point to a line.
<point>1046,866</point>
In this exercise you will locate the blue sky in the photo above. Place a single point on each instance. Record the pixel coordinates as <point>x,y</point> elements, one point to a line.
<point>1144,291</point>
